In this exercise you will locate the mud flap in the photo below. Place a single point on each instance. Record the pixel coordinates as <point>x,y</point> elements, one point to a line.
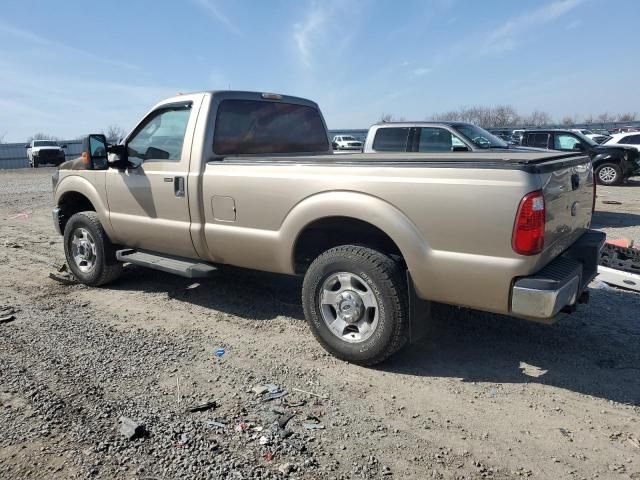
<point>419,313</point>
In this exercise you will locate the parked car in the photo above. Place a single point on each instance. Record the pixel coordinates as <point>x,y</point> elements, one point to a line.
<point>596,137</point>
<point>501,133</point>
<point>249,179</point>
<point>628,139</point>
<point>612,163</point>
<point>430,137</point>
<point>40,152</point>
<point>516,136</point>
<point>346,142</point>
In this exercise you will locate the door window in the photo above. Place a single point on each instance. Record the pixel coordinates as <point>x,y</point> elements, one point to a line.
<point>538,140</point>
<point>630,140</point>
<point>161,135</point>
<point>391,139</point>
<point>565,141</point>
<point>437,140</point>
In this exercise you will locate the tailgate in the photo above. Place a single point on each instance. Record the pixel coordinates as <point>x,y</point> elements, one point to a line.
<point>568,195</point>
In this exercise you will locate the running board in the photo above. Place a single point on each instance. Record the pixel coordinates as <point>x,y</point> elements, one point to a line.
<point>185,267</point>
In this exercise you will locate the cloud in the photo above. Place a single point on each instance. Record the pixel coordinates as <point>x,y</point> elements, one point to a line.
<point>212,9</point>
<point>419,72</point>
<point>305,33</point>
<point>505,38</point>
<point>573,25</point>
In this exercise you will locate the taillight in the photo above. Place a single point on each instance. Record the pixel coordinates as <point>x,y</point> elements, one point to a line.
<point>528,230</point>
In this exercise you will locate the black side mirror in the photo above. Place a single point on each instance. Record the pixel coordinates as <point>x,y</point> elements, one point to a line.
<point>64,145</point>
<point>27,145</point>
<point>94,152</point>
<point>578,147</point>
<point>460,148</point>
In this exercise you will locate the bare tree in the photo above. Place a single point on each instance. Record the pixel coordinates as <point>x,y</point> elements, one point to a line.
<point>388,117</point>
<point>589,119</point>
<point>627,117</point>
<point>42,136</point>
<point>2,135</point>
<point>605,117</point>
<point>568,120</point>
<point>537,118</point>
<point>114,132</point>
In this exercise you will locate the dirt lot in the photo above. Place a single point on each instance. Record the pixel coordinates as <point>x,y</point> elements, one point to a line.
<point>482,396</point>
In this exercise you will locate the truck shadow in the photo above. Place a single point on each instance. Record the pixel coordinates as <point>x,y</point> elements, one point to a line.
<point>594,351</point>
<point>614,219</point>
<point>244,293</point>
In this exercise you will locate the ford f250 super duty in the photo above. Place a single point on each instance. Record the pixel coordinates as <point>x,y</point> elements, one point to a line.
<point>249,179</point>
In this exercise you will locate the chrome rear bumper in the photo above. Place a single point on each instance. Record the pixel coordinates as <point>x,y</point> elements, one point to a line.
<point>559,286</point>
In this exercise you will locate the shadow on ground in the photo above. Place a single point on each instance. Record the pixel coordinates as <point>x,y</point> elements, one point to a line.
<point>594,351</point>
<point>614,219</point>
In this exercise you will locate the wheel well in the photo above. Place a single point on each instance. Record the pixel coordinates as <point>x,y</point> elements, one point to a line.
<point>326,233</point>
<point>72,203</point>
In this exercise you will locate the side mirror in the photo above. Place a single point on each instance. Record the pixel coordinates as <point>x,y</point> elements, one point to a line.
<point>94,152</point>
<point>118,156</point>
<point>27,145</point>
<point>64,145</point>
<point>578,147</point>
<point>460,148</point>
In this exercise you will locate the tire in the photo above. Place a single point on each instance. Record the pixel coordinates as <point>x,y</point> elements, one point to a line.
<point>609,174</point>
<point>92,258</point>
<point>371,277</point>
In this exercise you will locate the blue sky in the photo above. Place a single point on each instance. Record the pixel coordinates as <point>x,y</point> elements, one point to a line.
<point>68,68</point>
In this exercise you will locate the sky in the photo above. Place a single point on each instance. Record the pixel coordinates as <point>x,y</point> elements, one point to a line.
<point>74,67</point>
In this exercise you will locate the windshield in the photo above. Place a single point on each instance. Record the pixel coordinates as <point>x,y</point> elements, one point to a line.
<point>586,139</point>
<point>586,132</point>
<point>44,143</point>
<point>348,138</point>
<point>480,137</point>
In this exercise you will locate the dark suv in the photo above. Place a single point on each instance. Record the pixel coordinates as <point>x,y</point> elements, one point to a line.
<point>612,164</point>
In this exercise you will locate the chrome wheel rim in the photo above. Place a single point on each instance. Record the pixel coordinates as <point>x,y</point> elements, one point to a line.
<point>607,174</point>
<point>348,307</point>
<point>83,249</point>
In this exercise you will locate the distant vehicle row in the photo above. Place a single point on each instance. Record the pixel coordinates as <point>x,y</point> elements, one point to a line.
<point>612,163</point>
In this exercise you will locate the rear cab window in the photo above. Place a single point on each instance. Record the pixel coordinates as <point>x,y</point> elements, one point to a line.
<point>392,139</point>
<point>264,127</point>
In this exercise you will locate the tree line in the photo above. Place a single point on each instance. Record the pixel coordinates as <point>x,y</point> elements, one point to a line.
<point>507,116</point>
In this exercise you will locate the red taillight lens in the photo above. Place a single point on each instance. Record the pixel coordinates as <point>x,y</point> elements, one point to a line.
<point>528,231</point>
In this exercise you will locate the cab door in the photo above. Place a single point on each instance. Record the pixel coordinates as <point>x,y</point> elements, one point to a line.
<point>148,202</point>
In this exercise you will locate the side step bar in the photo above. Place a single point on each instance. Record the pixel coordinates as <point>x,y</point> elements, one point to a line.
<point>185,267</point>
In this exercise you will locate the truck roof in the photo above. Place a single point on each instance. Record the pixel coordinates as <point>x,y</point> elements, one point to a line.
<point>249,95</point>
<point>420,123</point>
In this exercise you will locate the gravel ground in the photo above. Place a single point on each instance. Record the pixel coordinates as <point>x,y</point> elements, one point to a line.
<point>482,396</point>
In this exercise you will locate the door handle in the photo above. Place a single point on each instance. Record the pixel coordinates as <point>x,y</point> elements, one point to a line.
<point>178,186</point>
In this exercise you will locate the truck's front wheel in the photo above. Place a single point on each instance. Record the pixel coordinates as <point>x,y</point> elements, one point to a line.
<point>90,254</point>
<point>355,301</point>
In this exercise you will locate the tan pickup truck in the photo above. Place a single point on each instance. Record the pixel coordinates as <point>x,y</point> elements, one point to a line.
<point>249,179</point>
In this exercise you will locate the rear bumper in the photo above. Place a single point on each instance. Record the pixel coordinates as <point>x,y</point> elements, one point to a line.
<point>560,284</point>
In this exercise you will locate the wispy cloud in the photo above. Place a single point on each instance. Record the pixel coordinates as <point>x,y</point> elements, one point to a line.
<point>214,11</point>
<point>306,32</point>
<point>421,71</point>
<point>36,39</point>
<point>505,38</point>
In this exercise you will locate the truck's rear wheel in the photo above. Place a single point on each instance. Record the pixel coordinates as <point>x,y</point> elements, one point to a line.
<point>355,301</point>
<point>89,252</point>
<point>609,174</point>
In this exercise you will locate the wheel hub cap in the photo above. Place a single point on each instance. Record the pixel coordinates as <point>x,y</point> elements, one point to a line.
<point>348,307</point>
<point>83,249</point>
<point>351,306</point>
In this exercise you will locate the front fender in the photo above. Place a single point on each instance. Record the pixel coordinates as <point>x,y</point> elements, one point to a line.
<point>93,189</point>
